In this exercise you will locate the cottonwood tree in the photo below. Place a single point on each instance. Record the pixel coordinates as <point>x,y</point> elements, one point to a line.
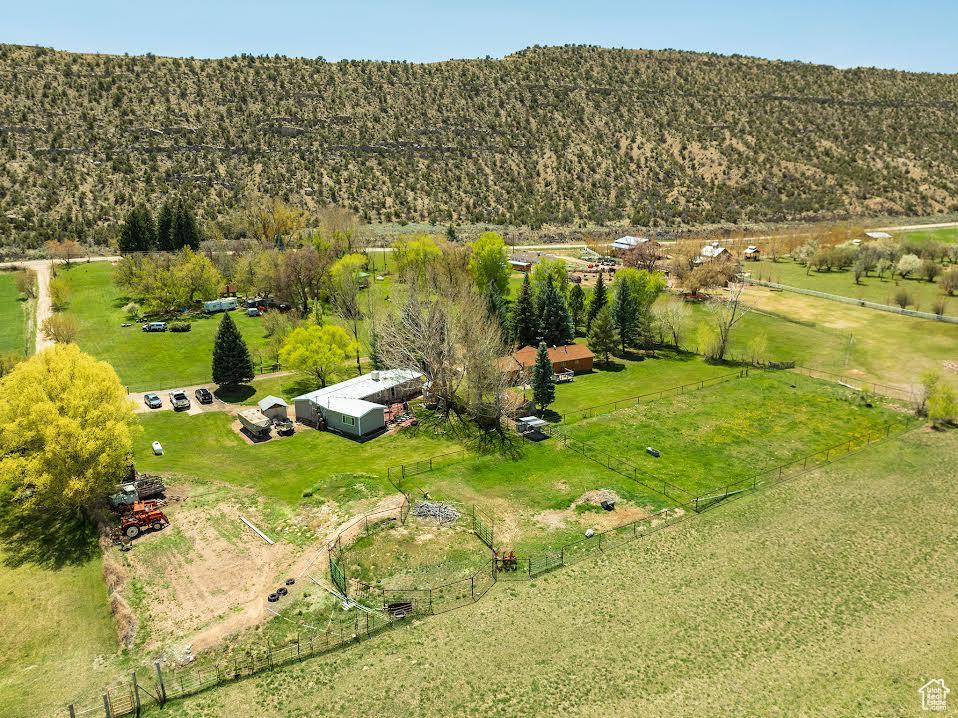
<point>725,316</point>
<point>546,269</point>
<point>488,263</point>
<point>673,318</point>
<point>59,292</point>
<point>59,328</point>
<point>949,281</point>
<point>339,226</point>
<point>271,221</point>
<point>65,251</point>
<point>345,284</point>
<point>643,256</point>
<point>302,276</point>
<point>416,257</point>
<point>27,283</point>
<point>317,350</point>
<point>66,430</point>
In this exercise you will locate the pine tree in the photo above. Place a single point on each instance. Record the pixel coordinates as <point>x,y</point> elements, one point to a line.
<point>524,325</point>
<point>185,233</point>
<point>231,360</point>
<point>543,385</point>
<point>625,314</point>
<point>599,299</point>
<point>576,305</point>
<point>555,322</point>
<point>496,305</point>
<point>138,232</point>
<point>603,338</point>
<point>164,228</point>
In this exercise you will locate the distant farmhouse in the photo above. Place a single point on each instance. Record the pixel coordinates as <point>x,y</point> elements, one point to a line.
<point>357,407</point>
<point>712,251</point>
<point>570,357</point>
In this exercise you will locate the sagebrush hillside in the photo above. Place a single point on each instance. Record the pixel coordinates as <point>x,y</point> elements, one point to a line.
<point>545,136</point>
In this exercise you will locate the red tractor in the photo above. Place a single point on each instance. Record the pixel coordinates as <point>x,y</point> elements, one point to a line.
<point>145,515</point>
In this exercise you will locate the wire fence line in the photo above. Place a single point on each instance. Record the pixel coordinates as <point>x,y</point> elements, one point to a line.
<point>388,607</point>
<point>856,302</point>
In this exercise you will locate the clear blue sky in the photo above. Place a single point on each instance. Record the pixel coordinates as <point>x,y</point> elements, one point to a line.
<point>917,35</point>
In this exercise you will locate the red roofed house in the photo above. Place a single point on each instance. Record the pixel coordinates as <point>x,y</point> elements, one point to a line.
<point>576,357</point>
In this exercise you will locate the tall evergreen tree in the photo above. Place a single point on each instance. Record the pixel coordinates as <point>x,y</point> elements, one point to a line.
<point>599,299</point>
<point>525,328</point>
<point>497,307</point>
<point>231,360</point>
<point>185,232</point>
<point>603,338</point>
<point>576,305</point>
<point>625,314</point>
<point>138,233</point>
<point>543,385</point>
<point>164,228</point>
<point>555,322</point>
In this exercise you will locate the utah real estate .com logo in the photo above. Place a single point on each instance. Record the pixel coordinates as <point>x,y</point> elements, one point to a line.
<point>934,695</point>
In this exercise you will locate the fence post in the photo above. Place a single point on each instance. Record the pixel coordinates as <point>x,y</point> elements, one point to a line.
<point>72,711</point>
<point>136,695</point>
<point>430,600</point>
<point>826,454</point>
<point>472,586</point>
<point>562,555</point>
<point>160,684</point>
<point>106,706</point>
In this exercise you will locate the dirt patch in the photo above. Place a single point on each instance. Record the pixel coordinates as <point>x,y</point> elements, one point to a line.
<point>205,576</point>
<point>624,513</point>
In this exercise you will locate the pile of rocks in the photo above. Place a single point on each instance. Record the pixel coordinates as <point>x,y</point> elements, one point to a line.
<point>443,513</point>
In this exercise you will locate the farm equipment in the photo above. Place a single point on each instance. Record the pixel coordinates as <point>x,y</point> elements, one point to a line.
<point>138,490</point>
<point>145,515</point>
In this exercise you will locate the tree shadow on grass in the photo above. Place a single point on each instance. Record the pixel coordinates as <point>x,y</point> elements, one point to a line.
<point>234,394</point>
<point>46,539</point>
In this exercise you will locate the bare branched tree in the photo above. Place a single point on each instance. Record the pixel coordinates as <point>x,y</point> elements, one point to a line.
<point>725,314</point>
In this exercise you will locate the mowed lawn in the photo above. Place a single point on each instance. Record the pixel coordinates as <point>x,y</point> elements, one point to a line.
<point>718,435</point>
<point>205,447</point>
<point>829,595</point>
<point>143,360</point>
<point>842,283</point>
<point>13,315</point>
<point>58,640</point>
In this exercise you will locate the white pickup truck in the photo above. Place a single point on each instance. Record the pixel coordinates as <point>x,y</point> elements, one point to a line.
<point>179,400</point>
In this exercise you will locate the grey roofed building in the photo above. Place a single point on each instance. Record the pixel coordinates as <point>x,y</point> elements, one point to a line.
<point>628,242</point>
<point>273,407</point>
<point>356,407</point>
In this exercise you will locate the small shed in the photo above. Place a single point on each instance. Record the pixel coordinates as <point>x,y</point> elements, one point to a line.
<point>520,265</point>
<point>255,422</point>
<point>752,253</point>
<point>274,408</point>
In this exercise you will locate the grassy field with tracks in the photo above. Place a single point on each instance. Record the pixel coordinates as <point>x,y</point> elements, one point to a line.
<point>13,316</point>
<point>829,595</point>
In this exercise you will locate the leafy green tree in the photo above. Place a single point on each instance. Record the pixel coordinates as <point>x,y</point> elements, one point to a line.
<point>576,305</point>
<point>138,233</point>
<point>603,338</point>
<point>232,364</point>
<point>489,264</point>
<point>555,322</point>
<point>525,326</point>
<point>66,429</point>
<point>543,385</point>
<point>318,350</point>
<point>599,299</point>
<point>545,268</point>
<point>164,227</point>
<point>416,257</point>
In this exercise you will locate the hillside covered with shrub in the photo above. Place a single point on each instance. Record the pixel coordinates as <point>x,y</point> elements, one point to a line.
<point>547,136</point>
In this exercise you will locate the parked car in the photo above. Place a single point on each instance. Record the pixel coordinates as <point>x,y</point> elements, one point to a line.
<point>179,400</point>
<point>154,327</point>
<point>152,400</point>
<point>253,312</point>
<point>203,395</point>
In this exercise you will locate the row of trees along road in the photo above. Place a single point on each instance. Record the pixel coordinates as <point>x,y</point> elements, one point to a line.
<point>175,228</point>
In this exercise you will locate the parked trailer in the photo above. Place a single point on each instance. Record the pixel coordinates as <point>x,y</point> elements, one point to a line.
<point>225,304</point>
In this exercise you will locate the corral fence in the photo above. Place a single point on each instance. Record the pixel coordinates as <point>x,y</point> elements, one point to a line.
<point>399,474</point>
<point>856,302</point>
<point>610,406</point>
<point>855,383</point>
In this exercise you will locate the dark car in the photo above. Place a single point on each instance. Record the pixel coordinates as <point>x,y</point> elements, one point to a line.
<point>203,395</point>
<point>152,400</point>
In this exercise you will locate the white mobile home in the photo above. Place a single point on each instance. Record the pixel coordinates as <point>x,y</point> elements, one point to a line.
<point>356,407</point>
